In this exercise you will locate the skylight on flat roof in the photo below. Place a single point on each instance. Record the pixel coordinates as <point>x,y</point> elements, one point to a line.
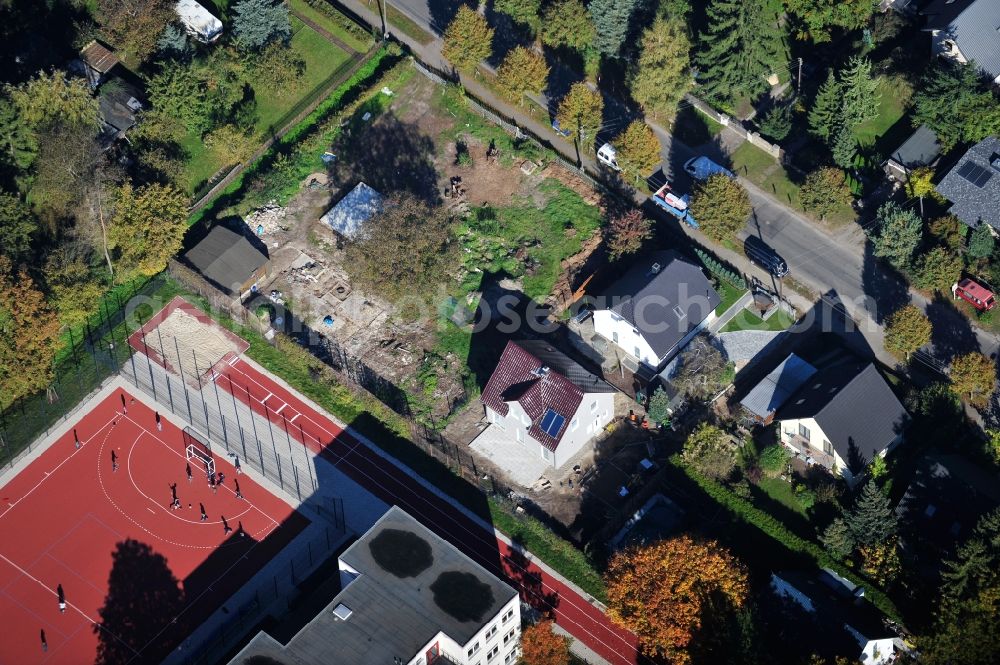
<point>342,612</point>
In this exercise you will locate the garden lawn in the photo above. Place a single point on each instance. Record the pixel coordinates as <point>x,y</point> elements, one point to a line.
<point>781,491</point>
<point>762,170</point>
<point>336,26</point>
<point>273,106</point>
<point>747,320</point>
<point>322,59</point>
<point>549,235</point>
<point>729,295</point>
<point>693,127</point>
<point>895,94</point>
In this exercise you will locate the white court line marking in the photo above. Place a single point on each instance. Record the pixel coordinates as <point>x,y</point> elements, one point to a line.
<point>280,409</point>
<point>48,473</point>
<point>150,510</point>
<point>76,609</point>
<point>175,452</point>
<point>294,418</point>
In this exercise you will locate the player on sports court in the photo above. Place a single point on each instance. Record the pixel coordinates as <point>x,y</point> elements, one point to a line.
<point>204,515</point>
<point>114,460</point>
<point>239,494</point>
<point>187,468</point>
<point>61,596</point>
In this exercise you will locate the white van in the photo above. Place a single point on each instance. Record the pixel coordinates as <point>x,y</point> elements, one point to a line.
<point>608,156</point>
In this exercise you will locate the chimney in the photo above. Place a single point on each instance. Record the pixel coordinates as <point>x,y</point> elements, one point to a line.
<point>656,268</point>
<point>342,612</point>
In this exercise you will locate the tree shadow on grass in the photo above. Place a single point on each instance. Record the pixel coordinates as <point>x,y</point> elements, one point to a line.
<point>391,156</point>
<point>951,332</point>
<point>528,582</point>
<point>140,618</point>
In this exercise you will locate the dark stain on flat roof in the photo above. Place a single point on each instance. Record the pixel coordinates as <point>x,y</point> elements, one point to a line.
<point>402,553</point>
<point>462,595</point>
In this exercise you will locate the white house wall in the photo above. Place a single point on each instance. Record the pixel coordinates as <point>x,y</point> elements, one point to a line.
<point>491,635</point>
<point>611,326</point>
<point>629,340</point>
<point>589,422</point>
<point>516,424</point>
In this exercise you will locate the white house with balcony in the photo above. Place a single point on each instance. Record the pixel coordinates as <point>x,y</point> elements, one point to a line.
<point>842,417</point>
<point>846,623</point>
<point>408,598</point>
<point>656,308</point>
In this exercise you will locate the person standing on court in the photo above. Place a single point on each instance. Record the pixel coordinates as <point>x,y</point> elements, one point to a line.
<point>61,596</point>
<point>239,494</point>
<point>159,425</point>
<point>204,515</point>
<point>45,644</point>
<point>124,408</point>
<point>188,469</point>
<point>114,460</point>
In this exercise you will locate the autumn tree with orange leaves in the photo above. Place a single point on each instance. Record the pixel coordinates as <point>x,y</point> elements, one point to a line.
<point>660,591</point>
<point>541,646</point>
<point>29,335</point>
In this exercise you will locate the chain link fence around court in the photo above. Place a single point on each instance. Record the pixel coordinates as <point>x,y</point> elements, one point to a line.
<point>94,352</point>
<point>265,446</point>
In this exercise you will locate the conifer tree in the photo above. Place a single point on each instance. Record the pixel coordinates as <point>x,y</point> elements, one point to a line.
<point>859,92</point>
<point>611,21</point>
<point>838,538</point>
<point>872,520</point>
<point>845,146</point>
<point>741,46</point>
<point>824,116</point>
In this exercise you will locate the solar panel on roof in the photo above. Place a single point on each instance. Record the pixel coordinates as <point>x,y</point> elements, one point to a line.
<point>551,423</point>
<point>975,174</point>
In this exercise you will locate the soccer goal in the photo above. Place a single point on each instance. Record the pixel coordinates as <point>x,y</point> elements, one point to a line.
<point>198,448</point>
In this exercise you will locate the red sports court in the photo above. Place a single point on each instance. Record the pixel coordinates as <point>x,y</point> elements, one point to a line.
<point>138,575</point>
<point>292,414</point>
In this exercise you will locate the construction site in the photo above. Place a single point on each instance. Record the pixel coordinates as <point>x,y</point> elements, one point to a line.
<point>415,147</point>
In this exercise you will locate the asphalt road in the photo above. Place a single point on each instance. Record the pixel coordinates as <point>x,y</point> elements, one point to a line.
<point>833,265</point>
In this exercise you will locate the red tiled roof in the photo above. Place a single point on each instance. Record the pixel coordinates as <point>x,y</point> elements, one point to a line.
<point>516,379</point>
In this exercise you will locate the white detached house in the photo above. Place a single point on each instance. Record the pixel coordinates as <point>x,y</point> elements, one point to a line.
<point>656,308</point>
<point>546,402</point>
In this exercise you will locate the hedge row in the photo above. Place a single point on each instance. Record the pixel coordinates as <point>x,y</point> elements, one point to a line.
<point>342,95</point>
<point>543,543</point>
<point>775,529</point>
<point>718,269</point>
